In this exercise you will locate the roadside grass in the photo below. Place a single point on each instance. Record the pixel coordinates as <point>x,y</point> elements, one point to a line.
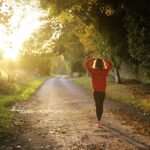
<point>22,92</point>
<point>130,92</point>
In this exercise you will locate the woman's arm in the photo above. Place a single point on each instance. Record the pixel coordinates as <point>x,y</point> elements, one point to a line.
<point>108,64</point>
<point>88,64</point>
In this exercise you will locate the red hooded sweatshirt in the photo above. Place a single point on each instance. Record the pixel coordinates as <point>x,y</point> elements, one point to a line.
<point>98,75</point>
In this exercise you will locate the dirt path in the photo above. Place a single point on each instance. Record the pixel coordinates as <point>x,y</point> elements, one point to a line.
<point>61,116</point>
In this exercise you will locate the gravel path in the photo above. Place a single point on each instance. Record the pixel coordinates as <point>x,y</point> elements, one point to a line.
<point>61,116</point>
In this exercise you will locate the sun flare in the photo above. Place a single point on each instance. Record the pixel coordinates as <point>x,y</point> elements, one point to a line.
<point>24,21</point>
<point>10,54</point>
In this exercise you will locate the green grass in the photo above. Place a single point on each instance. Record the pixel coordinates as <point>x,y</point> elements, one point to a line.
<point>24,91</point>
<point>130,93</point>
<point>83,81</point>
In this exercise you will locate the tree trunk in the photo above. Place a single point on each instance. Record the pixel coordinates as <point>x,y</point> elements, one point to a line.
<point>117,75</point>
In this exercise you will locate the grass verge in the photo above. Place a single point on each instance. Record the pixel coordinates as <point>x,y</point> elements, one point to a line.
<point>132,93</point>
<point>8,120</point>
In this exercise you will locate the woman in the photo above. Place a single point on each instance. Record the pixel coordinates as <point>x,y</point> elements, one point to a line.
<point>98,69</point>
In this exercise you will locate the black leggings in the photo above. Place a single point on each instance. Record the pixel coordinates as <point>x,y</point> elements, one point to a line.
<point>99,100</point>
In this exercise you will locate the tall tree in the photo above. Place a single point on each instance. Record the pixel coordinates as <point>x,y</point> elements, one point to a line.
<point>137,22</point>
<point>121,28</point>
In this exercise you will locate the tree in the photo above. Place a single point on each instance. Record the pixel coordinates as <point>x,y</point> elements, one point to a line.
<point>137,22</point>
<point>72,49</point>
<point>97,33</point>
<point>118,30</point>
<point>37,51</point>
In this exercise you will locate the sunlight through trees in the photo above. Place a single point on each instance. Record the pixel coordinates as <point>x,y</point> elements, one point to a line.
<point>40,30</point>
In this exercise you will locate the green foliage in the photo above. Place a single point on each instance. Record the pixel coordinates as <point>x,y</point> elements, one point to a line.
<point>94,41</point>
<point>8,122</point>
<point>58,62</point>
<point>39,43</point>
<point>83,81</point>
<point>72,50</point>
<point>66,43</point>
<point>118,30</point>
<point>7,88</point>
<point>37,51</point>
<point>35,64</point>
<point>137,22</point>
<point>91,39</point>
<point>60,5</point>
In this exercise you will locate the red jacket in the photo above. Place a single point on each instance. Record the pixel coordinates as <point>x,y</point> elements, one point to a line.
<point>98,75</point>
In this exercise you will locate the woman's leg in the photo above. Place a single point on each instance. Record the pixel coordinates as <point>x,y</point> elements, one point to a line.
<point>99,100</point>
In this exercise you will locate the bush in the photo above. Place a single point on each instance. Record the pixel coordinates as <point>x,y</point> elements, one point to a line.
<point>7,88</point>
